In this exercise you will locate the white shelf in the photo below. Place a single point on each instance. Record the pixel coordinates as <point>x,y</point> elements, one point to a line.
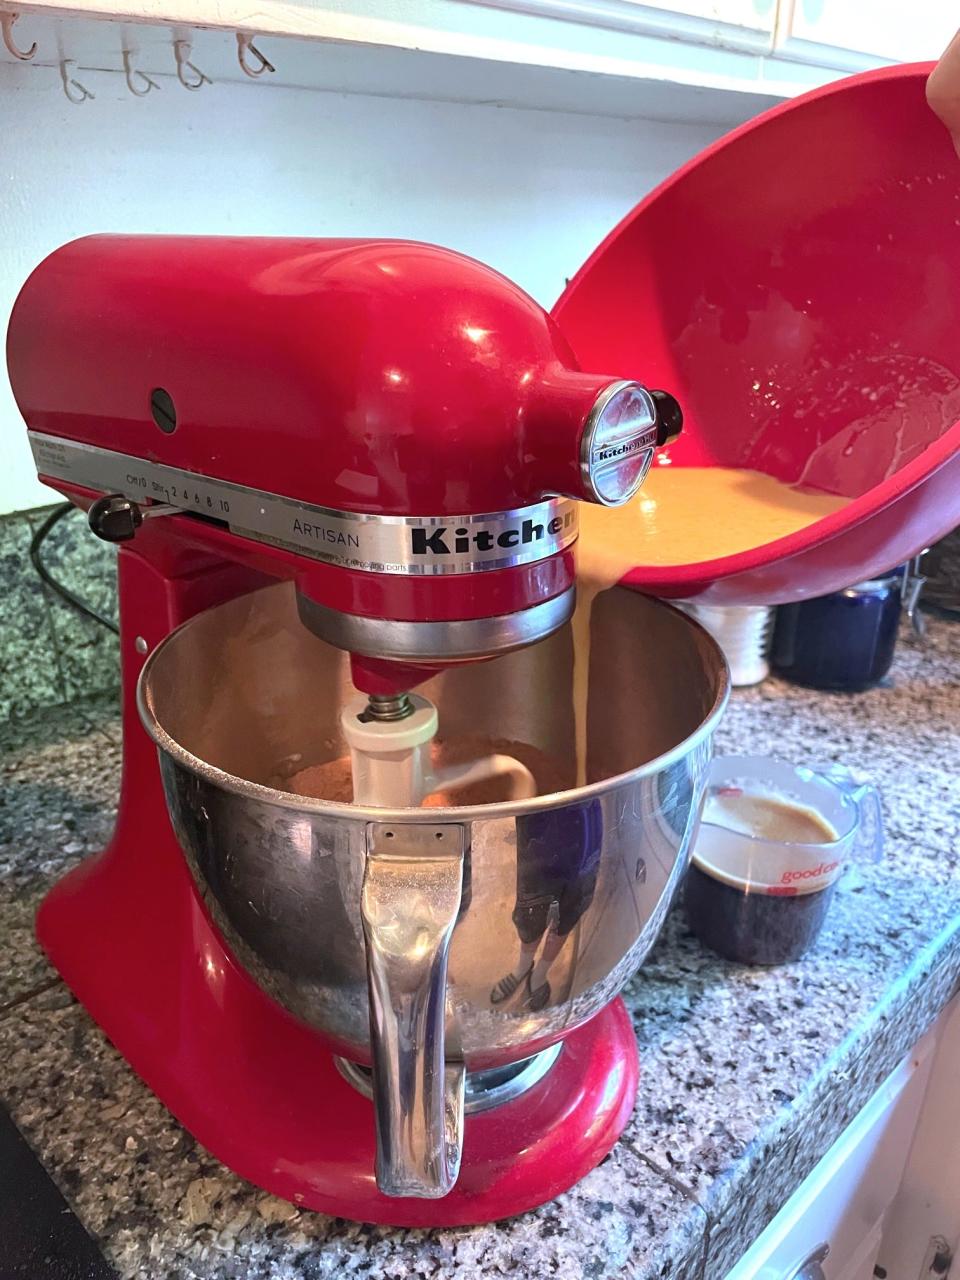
<point>594,57</point>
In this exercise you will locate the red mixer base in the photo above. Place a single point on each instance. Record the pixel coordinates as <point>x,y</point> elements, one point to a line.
<point>261,1092</point>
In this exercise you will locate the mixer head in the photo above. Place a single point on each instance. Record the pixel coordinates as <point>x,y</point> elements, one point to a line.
<point>399,429</point>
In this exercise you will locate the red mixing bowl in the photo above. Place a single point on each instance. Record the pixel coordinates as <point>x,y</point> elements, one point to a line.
<point>797,286</point>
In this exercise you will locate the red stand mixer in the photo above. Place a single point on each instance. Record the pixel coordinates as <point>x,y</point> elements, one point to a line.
<point>398,434</point>
<point>352,466</point>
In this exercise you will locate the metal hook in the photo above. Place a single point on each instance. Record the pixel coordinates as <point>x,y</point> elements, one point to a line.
<point>910,589</point>
<point>136,78</point>
<point>75,91</point>
<point>246,46</point>
<point>6,26</point>
<point>181,51</point>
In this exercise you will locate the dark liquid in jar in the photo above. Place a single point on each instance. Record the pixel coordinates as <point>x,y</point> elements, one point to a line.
<point>753,927</point>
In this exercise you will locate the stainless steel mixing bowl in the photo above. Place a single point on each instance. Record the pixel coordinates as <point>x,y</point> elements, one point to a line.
<point>390,931</point>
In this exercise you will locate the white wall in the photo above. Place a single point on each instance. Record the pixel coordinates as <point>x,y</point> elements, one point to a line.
<point>530,192</point>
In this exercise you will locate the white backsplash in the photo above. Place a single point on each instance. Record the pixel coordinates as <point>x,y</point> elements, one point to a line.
<point>530,192</point>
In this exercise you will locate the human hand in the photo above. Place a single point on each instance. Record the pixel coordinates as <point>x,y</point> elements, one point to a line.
<point>943,89</point>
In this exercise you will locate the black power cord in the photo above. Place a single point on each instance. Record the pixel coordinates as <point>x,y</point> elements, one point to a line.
<point>36,543</point>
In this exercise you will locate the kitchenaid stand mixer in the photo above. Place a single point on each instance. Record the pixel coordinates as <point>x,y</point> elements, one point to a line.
<point>396,437</point>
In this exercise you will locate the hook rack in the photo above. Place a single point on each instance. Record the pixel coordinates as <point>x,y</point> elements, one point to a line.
<point>181,51</point>
<point>74,90</point>
<point>138,82</point>
<point>7,21</point>
<point>245,48</point>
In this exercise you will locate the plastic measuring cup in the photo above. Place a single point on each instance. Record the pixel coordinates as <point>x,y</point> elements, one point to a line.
<point>753,895</point>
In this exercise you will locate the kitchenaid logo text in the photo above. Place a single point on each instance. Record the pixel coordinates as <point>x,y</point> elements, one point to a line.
<point>621,450</point>
<point>463,541</point>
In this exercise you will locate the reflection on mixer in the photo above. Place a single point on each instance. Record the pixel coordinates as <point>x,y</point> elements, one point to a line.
<point>558,858</point>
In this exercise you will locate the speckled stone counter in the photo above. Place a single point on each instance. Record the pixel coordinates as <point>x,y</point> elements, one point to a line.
<point>50,653</point>
<point>747,1075</point>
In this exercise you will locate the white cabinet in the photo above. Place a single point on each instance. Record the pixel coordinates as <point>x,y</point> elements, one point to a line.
<point>667,59</point>
<point>923,1227</point>
<point>861,1265</point>
<point>757,14</point>
<point>746,25</point>
<point>842,32</point>
<point>831,1226</point>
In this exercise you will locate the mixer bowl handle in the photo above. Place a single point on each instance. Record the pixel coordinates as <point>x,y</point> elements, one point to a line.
<point>412,884</point>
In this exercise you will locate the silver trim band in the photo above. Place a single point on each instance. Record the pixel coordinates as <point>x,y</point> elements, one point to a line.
<point>419,546</point>
<point>484,1089</point>
<point>436,641</point>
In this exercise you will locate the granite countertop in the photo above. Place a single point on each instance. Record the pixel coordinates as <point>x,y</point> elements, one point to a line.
<point>747,1076</point>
